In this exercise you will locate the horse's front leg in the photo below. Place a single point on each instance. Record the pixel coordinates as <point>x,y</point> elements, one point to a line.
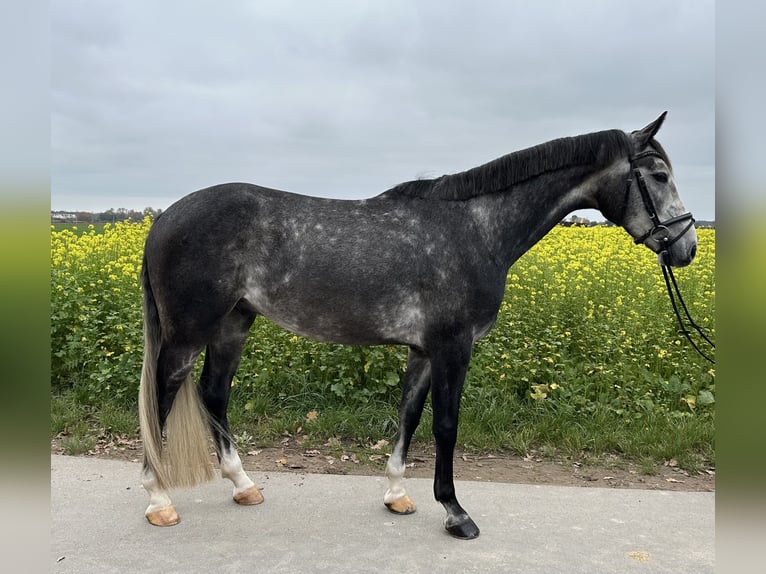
<point>417,380</point>
<point>448,369</point>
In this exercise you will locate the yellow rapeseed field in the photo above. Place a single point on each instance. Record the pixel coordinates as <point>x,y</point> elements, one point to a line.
<point>585,317</point>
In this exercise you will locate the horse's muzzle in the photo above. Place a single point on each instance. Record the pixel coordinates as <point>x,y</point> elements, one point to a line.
<point>673,258</point>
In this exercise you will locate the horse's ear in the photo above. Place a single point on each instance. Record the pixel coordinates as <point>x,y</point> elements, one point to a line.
<point>644,136</point>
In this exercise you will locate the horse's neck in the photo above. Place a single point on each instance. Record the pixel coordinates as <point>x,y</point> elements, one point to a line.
<point>514,220</point>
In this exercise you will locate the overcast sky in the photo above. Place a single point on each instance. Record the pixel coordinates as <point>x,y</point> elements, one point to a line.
<point>152,100</point>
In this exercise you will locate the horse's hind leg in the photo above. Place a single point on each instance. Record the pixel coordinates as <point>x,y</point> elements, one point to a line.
<point>221,361</point>
<point>417,380</point>
<point>174,366</point>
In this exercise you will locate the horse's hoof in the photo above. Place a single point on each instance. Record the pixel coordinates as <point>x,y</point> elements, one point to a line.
<point>465,530</point>
<point>165,516</point>
<point>249,497</point>
<point>403,505</point>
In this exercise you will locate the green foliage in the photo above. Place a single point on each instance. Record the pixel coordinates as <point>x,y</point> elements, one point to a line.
<point>96,318</point>
<point>584,351</point>
<point>283,365</point>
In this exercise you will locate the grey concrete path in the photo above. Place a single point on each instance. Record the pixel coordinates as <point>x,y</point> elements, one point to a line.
<point>338,524</point>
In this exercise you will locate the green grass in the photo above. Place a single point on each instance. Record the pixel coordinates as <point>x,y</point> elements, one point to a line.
<point>77,444</point>
<point>503,426</point>
<point>118,420</point>
<point>69,422</point>
<point>77,426</point>
<point>67,415</point>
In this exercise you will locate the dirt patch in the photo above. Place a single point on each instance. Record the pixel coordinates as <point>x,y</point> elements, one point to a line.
<point>337,457</point>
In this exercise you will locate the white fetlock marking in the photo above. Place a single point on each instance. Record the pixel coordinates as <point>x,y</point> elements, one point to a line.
<point>158,498</point>
<point>231,468</point>
<point>395,475</point>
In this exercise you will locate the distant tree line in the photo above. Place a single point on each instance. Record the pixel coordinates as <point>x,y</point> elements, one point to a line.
<point>122,214</point>
<point>108,216</point>
<point>576,220</point>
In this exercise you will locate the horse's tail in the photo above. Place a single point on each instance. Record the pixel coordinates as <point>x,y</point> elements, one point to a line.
<point>186,459</point>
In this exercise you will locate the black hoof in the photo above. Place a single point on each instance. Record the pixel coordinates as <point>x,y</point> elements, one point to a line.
<point>465,530</point>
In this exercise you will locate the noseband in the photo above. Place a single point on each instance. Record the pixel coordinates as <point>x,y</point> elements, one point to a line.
<point>659,231</point>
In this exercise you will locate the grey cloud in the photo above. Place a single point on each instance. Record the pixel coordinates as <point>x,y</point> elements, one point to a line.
<point>153,100</point>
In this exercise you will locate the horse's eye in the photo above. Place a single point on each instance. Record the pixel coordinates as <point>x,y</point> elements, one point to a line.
<point>660,176</point>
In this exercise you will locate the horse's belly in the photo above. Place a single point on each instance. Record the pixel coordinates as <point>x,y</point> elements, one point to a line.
<point>333,320</point>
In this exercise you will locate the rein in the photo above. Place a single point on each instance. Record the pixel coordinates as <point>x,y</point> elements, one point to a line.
<point>667,273</point>
<point>661,234</point>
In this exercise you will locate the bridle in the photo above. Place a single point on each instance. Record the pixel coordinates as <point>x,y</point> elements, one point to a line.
<point>660,233</point>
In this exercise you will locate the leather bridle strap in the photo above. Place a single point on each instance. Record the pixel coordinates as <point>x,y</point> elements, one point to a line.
<point>659,231</point>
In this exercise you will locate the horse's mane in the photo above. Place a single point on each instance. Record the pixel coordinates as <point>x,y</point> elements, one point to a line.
<point>599,148</point>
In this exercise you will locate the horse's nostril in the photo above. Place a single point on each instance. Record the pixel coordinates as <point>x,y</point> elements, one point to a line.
<point>693,251</point>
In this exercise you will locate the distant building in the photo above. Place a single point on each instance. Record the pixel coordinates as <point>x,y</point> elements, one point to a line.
<point>63,217</point>
<point>576,220</point>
